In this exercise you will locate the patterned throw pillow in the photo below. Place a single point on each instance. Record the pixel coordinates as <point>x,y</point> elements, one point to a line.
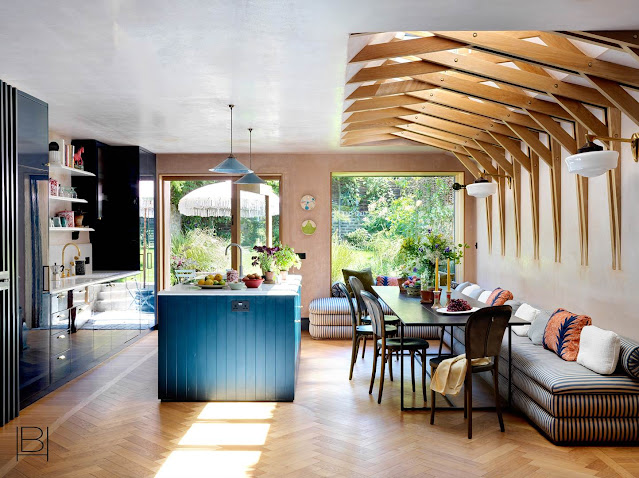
<point>386,280</point>
<point>563,332</point>
<point>499,297</point>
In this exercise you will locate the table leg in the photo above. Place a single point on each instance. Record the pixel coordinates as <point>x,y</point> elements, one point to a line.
<point>510,366</point>
<point>401,365</point>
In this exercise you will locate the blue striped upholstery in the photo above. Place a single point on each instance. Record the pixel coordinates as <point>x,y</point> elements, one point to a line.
<point>337,305</point>
<point>629,357</point>
<point>343,332</point>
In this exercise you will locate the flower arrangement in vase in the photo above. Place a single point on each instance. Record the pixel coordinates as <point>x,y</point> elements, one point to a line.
<point>285,258</point>
<point>265,259</point>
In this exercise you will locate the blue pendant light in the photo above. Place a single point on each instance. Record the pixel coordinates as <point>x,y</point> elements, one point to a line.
<point>250,178</point>
<point>231,165</point>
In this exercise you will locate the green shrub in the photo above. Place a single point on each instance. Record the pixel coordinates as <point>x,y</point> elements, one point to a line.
<point>359,238</point>
<point>200,247</point>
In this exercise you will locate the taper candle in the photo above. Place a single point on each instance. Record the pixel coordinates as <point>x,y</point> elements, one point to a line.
<point>437,273</point>
<point>448,275</point>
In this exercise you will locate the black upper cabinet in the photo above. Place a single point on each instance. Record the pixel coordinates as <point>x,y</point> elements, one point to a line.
<point>113,196</point>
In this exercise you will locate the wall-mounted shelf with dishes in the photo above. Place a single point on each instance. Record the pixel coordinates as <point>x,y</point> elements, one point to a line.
<point>68,170</point>
<point>71,229</point>
<point>60,198</point>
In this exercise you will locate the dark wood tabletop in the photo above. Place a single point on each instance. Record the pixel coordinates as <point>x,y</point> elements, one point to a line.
<point>411,312</point>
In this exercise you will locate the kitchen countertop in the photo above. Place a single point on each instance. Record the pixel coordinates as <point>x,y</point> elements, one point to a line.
<point>89,279</point>
<point>290,287</point>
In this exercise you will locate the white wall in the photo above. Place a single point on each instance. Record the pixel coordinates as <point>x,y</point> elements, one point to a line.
<point>610,297</point>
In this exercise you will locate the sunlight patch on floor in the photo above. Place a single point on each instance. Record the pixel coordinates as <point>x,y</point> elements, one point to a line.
<point>237,411</point>
<point>200,463</point>
<point>209,434</point>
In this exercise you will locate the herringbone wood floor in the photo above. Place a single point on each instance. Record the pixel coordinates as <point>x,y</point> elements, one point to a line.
<point>109,423</point>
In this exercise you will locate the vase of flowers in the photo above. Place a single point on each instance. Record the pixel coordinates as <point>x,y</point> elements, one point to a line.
<point>435,247</point>
<point>285,258</point>
<point>265,259</point>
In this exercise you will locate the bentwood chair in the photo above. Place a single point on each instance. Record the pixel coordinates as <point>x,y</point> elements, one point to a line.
<point>360,332</point>
<point>362,313</point>
<point>384,346</point>
<point>484,334</point>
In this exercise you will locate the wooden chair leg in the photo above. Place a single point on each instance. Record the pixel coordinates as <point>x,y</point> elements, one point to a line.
<point>465,403</point>
<point>364,347</point>
<point>353,355</point>
<point>469,388</point>
<point>424,373</point>
<point>370,389</point>
<point>412,368</point>
<point>432,397</point>
<point>390,364</point>
<point>497,398</point>
<point>381,377</point>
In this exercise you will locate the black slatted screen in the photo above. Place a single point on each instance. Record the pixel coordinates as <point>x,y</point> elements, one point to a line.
<point>8,256</point>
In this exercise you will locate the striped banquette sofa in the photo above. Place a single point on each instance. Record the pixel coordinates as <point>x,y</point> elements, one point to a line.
<point>330,318</point>
<point>568,402</point>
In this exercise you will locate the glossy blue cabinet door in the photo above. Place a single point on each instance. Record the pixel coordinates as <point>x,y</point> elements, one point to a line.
<point>207,352</point>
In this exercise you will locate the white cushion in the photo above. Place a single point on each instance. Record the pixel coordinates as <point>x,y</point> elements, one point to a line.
<point>525,312</point>
<point>470,288</point>
<point>598,350</point>
<point>483,297</point>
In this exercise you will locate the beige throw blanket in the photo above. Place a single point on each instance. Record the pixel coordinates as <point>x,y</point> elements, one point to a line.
<point>449,376</point>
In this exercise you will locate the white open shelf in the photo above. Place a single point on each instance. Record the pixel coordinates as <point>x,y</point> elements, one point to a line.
<point>71,229</point>
<point>60,198</point>
<point>68,170</point>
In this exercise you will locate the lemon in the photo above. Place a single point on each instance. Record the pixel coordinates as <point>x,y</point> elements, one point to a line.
<point>201,282</point>
<point>218,277</point>
<point>208,282</point>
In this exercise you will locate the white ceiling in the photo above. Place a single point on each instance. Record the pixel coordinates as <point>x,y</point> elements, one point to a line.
<point>160,73</point>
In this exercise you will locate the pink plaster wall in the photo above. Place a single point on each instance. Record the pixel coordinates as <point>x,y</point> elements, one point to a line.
<point>311,174</point>
<point>608,296</point>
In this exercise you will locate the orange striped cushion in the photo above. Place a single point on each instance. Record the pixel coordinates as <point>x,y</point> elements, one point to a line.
<point>499,297</point>
<point>563,332</point>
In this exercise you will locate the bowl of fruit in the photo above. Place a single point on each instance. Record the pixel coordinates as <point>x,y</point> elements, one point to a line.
<point>457,306</point>
<point>252,281</point>
<point>212,282</point>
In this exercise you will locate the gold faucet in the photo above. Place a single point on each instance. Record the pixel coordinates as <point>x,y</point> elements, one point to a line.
<point>75,257</point>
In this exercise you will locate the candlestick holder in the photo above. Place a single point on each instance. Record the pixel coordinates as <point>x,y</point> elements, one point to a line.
<point>436,303</point>
<point>449,293</point>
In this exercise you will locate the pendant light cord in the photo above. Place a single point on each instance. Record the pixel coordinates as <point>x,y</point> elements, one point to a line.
<point>250,148</point>
<point>231,107</point>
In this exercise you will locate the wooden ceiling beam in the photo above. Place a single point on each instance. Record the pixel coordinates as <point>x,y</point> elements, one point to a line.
<point>458,115</point>
<point>451,126</point>
<point>382,102</point>
<point>484,160</point>
<point>495,95</point>
<point>383,122</point>
<point>393,49</point>
<point>469,164</point>
<point>622,37</point>
<point>488,109</point>
<point>443,135</point>
<point>374,115</point>
<point>498,155</point>
<point>541,82</point>
<point>618,96</point>
<point>370,132</point>
<point>555,130</point>
<point>532,140</point>
<point>388,88</point>
<point>398,70</point>
<point>514,148</point>
<point>367,139</point>
<point>437,143</point>
<point>546,55</point>
<point>583,116</point>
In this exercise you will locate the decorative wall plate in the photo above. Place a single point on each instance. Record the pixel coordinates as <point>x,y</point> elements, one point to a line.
<point>307,202</point>
<point>309,227</point>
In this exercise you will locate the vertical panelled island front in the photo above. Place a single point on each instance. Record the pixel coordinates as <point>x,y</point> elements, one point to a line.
<point>229,345</point>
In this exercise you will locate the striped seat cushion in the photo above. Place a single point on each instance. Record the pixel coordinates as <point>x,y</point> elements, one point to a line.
<point>337,305</point>
<point>577,430</point>
<point>330,319</point>
<point>345,332</point>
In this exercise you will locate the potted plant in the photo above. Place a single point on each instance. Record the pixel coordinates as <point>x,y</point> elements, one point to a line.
<point>285,258</point>
<point>413,286</point>
<point>405,272</point>
<point>265,259</point>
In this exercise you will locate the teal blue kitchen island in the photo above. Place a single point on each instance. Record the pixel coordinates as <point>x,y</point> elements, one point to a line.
<point>227,345</point>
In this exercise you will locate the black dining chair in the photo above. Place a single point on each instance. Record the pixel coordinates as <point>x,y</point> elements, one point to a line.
<point>384,346</point>
<point>362,313</point>
<point>484,335</point>
<point>360,332</point>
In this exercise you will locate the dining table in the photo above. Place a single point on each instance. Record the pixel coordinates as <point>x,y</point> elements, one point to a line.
<point>411,312</point>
